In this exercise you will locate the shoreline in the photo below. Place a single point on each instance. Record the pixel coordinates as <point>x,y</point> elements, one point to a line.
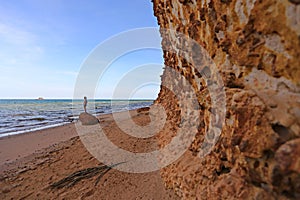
<point>4,135</point>
<point>36,140</point>
<point>21,116</point>
<point>11,134</point>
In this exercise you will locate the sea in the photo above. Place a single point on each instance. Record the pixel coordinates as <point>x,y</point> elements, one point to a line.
<point>19,116</point>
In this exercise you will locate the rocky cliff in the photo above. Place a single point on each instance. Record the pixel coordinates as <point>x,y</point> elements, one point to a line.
<point>254,47</point>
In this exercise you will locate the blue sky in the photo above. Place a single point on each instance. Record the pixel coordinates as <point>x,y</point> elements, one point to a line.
<point>43,44</point>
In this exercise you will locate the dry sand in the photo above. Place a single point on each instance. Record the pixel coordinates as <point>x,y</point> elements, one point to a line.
<point>30,163</point>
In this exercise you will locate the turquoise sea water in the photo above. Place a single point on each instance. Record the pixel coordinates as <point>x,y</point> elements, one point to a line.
<point>23,115</point>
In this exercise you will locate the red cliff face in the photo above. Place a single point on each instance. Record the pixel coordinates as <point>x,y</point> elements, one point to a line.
<point>254,46</point>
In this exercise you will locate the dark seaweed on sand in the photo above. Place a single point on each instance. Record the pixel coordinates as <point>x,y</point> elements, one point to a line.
<point>75,177</point>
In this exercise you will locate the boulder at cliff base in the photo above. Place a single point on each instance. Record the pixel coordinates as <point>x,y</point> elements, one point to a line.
<point>88,119</point>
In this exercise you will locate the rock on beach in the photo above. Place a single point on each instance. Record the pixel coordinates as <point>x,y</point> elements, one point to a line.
<point>88,119</point>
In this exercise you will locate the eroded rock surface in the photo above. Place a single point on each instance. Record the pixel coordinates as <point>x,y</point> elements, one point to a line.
<point>255,48</point>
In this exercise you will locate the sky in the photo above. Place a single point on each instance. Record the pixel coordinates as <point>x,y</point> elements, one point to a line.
<point>43,45</point>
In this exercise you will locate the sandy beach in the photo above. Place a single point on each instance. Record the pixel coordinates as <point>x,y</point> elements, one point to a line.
<point>31,162</point>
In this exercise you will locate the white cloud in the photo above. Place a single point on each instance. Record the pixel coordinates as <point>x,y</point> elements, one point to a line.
<point>18,47</point>
<point>14,35</point>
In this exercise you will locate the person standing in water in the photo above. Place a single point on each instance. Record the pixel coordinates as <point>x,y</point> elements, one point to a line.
<point>84,103</point>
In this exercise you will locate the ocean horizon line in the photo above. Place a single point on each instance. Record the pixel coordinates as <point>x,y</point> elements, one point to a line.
<point>102,99</point>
